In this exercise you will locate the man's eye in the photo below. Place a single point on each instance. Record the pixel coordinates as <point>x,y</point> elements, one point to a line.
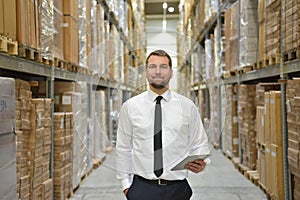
<point>152,66</point>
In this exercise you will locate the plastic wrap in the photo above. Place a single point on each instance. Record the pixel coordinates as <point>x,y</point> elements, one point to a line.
<point>94,36</point>
<point>233,41</point>
<point>100,126</point>
<point>80,147</point>
<point>213,133</point>
<point>8,166</point>
<point>209,67</point>
<point>7,105</point>
<point>47,28</point>
<point>100,40</point>
<point>248,33</point>
<point>97,38</point>
<point>198,64</point>
<point>82,32</point>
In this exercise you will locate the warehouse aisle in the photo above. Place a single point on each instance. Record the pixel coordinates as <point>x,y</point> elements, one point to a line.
<point>220,181</point>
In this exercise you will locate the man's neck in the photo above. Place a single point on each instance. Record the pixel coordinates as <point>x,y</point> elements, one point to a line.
<point>159,91</point>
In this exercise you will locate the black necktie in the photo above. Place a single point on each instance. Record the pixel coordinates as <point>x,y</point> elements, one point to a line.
<point>158,162</point>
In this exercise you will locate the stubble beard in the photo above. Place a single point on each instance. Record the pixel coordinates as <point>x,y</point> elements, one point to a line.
<point>158,86</point>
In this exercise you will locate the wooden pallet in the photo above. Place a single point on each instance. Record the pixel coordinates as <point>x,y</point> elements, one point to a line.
<point>242,168</point>
<point>235,161</point>
<point>227,155</point>
<point>258,65</point>
<point>291,55</point>
<point>253,176</point>
<point>271,60</point>
<point>228,74</point>
<point>269,194</point>
<point>246,69</point>
<point>8,46</point>
<point>98,161</point>
<point>48,61</point>
<point>82,70</point>
<point>29,53</point>
<point>261,146</point>
<point>73,68</point>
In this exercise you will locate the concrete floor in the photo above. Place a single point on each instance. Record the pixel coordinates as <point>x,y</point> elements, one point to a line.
<point>220,181</point>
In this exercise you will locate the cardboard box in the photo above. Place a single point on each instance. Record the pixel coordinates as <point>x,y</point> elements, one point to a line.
<point>1,17</point>
<point>70,8</point>
<point>267,117</point>
<point>260,131</point>
<point>10,19</point>
<point>24,191</point>
<point>275,118</point>
<point>59,35</point>
<point>262,166</point>
<point>269,166</point>
<point>277,171</point>
<point>71,48</point>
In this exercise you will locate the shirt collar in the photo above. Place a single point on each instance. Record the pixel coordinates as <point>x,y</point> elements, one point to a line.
<point>166,95</point>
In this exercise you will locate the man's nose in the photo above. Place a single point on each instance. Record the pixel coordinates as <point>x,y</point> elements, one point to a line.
<point>157,69</point>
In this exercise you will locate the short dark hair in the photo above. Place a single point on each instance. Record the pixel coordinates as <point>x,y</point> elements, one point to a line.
<point>161,53</point>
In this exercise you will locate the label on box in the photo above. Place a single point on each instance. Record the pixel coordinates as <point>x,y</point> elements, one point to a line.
<point>265,109</point>
<point>61,123</point>
<point>7,107</point>
<point>273,154</point>
<point>268,150</point>
<point>66,100</point>
<point>235,119</point>
<point>234,98</point>
<point>262,121</point>
<point>39,119</point>
<point>235,141</point>
<point>56,99</point>
<point>272,101</point>
<point>288,106</point>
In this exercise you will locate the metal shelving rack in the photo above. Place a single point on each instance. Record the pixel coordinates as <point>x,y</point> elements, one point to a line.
<point>278,72</point>
<point>16,67</point>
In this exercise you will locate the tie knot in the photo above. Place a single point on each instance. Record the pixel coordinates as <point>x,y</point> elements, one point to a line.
<point>158,99</point>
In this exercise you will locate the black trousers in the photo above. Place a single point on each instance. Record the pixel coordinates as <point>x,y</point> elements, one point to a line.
<point>142,190</point>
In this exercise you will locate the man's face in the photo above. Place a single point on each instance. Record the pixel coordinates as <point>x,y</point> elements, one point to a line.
<point>158,72</point>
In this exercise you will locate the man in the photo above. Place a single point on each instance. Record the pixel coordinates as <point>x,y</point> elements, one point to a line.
<point>158,129</point>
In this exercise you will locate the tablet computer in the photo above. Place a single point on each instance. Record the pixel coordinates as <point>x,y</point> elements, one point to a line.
<point>190,158</point>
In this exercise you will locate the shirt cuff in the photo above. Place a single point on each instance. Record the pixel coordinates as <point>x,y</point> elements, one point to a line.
<point>126,183</point>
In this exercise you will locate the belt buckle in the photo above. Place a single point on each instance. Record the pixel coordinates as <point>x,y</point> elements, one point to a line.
<point>160,183</point>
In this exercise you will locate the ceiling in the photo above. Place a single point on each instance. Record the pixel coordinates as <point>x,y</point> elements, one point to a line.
<point>154,9</point>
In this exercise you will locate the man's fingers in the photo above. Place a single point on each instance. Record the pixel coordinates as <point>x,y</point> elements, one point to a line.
<point>196,166</point>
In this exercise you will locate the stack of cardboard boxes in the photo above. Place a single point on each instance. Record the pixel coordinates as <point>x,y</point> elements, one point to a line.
<point>40,148</point>
<point>269,140</point>
<point>23,104</point>
<point>246,121</point>
<point>272,28</point>
<point>293,118</point>
<point>33,128</point>
<point>63,155</point>
<point>230,133</point>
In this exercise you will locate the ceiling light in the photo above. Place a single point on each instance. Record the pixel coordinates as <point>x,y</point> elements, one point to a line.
<point>165,5</point>
<point>164,25</point>
<point>171,9</point>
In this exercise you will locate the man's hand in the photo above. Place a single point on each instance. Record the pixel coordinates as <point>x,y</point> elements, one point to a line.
<point>196,166</point>
<point>125,191</point>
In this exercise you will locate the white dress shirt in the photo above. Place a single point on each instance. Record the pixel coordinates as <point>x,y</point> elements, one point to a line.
<point>183,134</point>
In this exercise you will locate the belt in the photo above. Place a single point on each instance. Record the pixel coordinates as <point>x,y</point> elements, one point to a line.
<point>159,181</point>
